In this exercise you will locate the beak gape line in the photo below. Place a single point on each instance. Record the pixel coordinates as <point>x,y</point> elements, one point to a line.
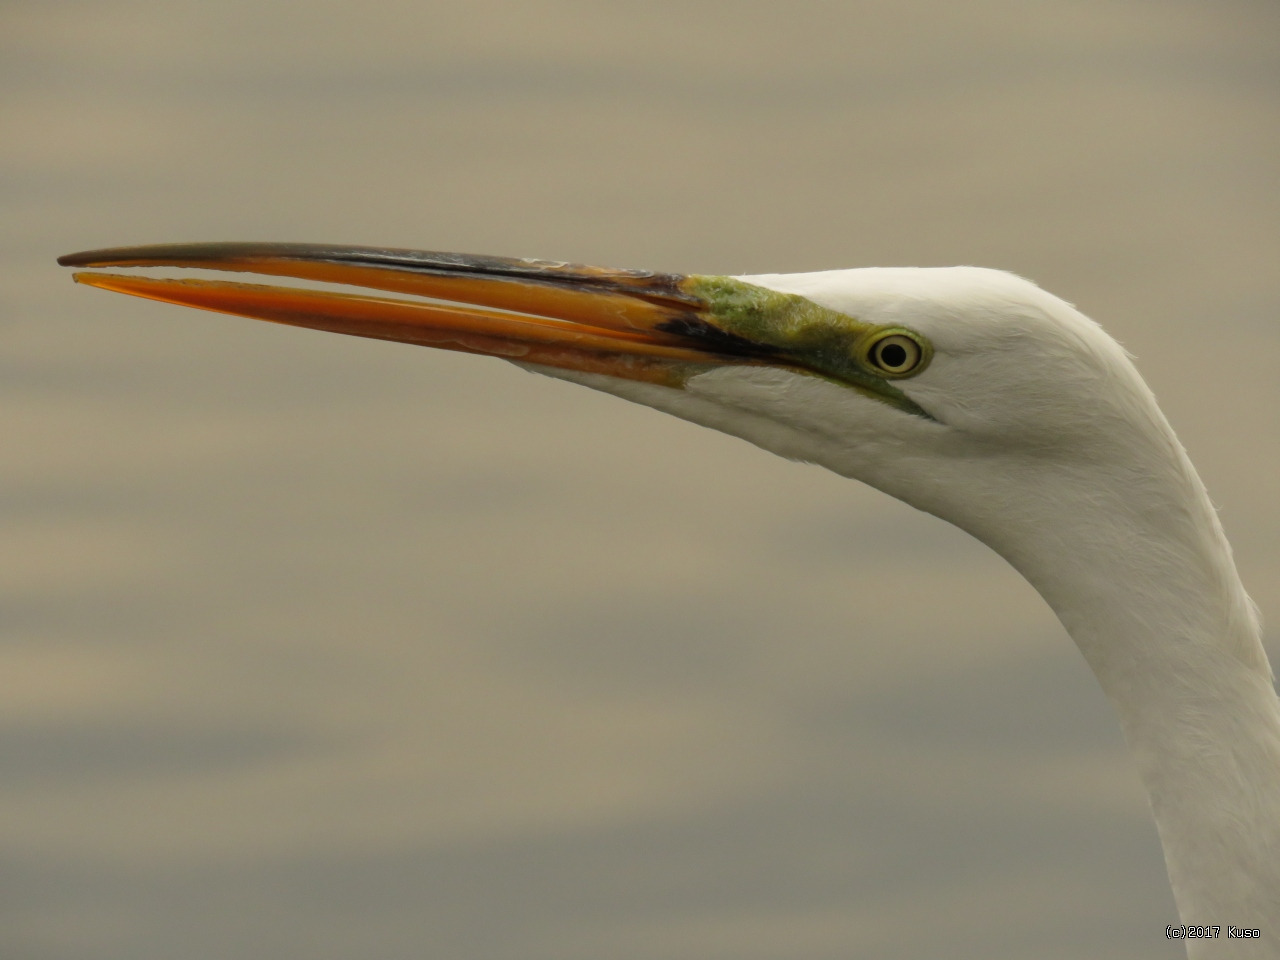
<point>624,323</point>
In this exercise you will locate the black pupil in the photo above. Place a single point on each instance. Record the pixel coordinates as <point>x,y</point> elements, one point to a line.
<point>893,355</point>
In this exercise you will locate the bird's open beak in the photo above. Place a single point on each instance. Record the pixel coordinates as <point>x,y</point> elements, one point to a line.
<point>660,328</point>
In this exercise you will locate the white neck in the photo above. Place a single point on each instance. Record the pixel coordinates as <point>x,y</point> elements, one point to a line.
<point>1121,540</point>
<point>1159,613</point>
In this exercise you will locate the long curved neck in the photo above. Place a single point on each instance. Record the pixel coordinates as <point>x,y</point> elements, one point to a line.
<point>1157,609</point>
<point>1204,729</point>
<point>1116,532</point>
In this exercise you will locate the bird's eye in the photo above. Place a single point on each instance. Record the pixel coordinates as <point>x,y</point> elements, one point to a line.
<point>896,354</point>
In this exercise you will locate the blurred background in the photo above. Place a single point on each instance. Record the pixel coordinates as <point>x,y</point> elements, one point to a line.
<point>323,648</point>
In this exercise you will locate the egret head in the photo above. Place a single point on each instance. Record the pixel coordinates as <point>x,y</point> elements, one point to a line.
<point>967,392</point>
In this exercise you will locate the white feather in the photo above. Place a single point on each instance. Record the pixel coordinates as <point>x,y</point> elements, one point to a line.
<point>1047,445</point>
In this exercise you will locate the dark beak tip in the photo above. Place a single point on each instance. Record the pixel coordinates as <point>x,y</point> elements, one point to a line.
<point>170,254</point>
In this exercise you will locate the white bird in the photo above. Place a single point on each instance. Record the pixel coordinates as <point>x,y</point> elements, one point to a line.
<point>968,393</point>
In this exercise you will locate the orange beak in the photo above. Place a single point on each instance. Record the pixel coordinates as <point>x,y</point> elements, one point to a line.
<point>623,323</point>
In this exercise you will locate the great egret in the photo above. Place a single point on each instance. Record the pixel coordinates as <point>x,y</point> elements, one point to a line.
<point>969,393</point>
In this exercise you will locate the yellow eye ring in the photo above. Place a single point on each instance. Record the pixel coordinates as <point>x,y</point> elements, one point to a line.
<point>896,353</point>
